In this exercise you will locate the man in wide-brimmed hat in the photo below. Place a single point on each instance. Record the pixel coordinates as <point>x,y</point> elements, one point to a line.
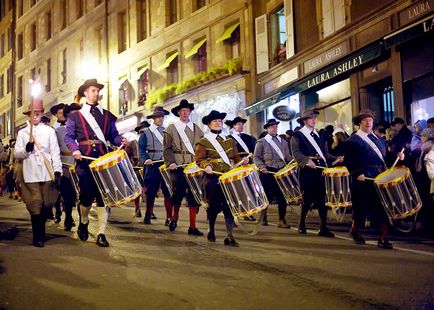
<point>37,147</point>
<point>310,150</point>
<point>217,153</point>
<point>151,150</point>
<point>87,133</point>
<point>272,154</point>
<point>179,141</point>
<point>143,124</point>
<point>245,143</point>
<point>366,156</point>
<point>65,185</point>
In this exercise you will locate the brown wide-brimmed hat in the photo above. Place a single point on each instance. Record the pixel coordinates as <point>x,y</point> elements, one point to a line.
<point>143,124</point>
<point>158,112</point>
<point>70,107</point>
<point>307,114</point>
<point>271,122</point>
<point>183,104</point>
<point>87,84</point>
<point>37,104</point>
<point>57,107</point>
<point>236,120</point>
<point>362,115</point>
<point>212,116</point>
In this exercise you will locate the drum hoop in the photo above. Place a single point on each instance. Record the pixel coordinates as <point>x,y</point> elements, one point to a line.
<point>228,177</point>
<point>287,170</point>
<point>192,174</point>
<point>162,167</point>
<point>336,172</point>
<point>111,163</point>
<point>71,169</point>
<point>395,181</point>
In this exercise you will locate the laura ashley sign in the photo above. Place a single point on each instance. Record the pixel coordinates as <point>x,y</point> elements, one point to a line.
<point>415,11</point>
<point>329,56</point>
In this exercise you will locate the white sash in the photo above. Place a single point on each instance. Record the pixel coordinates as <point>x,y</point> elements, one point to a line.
<point>181,130</point>
<point>306,132</point>
<point>365,138</point>
<point>93,124</point>
<point>270,141</point>
<point>237,137</point>
<point>156,132</point>
<point>212,138</point>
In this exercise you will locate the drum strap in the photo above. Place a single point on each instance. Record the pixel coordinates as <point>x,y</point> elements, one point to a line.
<point>365,138</point>
<point>156,132</point>
<point>237,137</point>
<point>180,127</point>
<point>212,138</point>
<point>270,141</point>
<point>93,124</point>
<point>306,132</point>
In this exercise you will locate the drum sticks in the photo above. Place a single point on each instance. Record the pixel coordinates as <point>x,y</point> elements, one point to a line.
<point>215,172</point>
<point>397,158</point>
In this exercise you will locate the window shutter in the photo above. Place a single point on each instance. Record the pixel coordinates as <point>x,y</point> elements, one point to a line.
<point>327,17</point>
<point>261,31</point>
<point>339,14</point>
<point>289,18</point>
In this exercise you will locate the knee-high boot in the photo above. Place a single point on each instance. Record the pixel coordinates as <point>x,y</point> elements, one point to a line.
<point>36,231</point>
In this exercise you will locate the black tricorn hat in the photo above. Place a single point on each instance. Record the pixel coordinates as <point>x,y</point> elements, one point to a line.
<point>271,122</point>
<point>212,116</point>
<point>158,111</point>
<point>307,114</point>
<point>57,107</point>
<point>70,107</point>
<point>236,120</point>
<point>363,114</point>
<point>87,84</point>
<point>143,124</point>
<point>45,119</point>
<point>183,104</point>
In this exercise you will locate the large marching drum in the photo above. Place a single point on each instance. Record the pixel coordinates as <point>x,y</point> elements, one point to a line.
<point>193,175</point>
<point>337,185</point>
<point>287,179</point>
<point>115,178</point>
<point>165,174</point>
<point>245,196</point>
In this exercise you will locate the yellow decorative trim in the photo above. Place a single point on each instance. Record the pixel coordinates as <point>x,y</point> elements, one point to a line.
<point>95,167</point>
<point>236,174</point>
<point>192,174</point>
<point>395,181</point>
<point>285,171</point>
<point>340,171</point>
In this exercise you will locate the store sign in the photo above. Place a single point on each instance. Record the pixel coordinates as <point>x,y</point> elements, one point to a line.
<point>329,56</point>
<point>341,67</point>
<point>415,11</point>
<point>283,113</point>
<point>409,32</point>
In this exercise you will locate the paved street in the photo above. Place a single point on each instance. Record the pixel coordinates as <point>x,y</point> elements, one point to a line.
<point>148,267</point>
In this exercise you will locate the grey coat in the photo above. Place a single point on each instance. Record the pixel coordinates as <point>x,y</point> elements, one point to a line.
<point>265,156</point>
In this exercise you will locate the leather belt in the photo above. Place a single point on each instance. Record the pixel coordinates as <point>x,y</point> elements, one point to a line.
<point>154,151</point>
<point>217,160</point>
<point>183,152</point>
<point>90,142</point>
<point>66,153</point>
<point>273,161</point>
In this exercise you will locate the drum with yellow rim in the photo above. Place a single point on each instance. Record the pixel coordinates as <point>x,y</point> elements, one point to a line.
<point>194,175</point>
<point>166,177</point>
<point>74,179</point>
<point>245,196</point>
<point>337,187</point>
<point>287,179</point>
<point>115,177</point>
<point>398,193</point>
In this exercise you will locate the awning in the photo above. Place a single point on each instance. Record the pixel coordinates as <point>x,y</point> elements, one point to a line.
<point>195,48</point>
<point>228,33</point>
<point>346,65</point>
<point>169,60</point>
<point>409,32</point>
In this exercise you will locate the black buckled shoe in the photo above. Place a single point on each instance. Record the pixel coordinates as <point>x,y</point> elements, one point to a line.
<point>358,239</point>
<point>385,244</point>
<point>138,213</point>
<point>231,242</point>
<point>153,216</point>
<point>325,232</point>
<point>302,229</point>
<point>82,231</point>
<point>172,225</point>
<point>194,232</point>
<point>102,241</point>
<point>38,243</point>
<point>147,220</point>
<point>211,237</point>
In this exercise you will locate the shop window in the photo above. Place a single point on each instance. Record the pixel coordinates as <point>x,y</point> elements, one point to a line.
<point>172,71</point>
<point>200,60</point>
<point>278,35</point>
<point>333,16</point>
<point>141,20</point>
<point>20,91</point>
<point>33,37</point>
<point>48,85</point>
<point>122,31</point>
<point>48,25</point>
<point>63,14</point>
<point>143,87</point>
<point>171,12</point>
<point>388,104</point>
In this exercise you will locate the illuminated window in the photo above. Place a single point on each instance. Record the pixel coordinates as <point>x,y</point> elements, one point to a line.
<point>388,104</point>
<point>278,35</point>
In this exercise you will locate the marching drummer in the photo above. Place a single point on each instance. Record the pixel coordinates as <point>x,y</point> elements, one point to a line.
<point>178,150</point>
<point>309,151</point>
<point>271,154</point>
<point>150,150</point>
<point>87,132</point>
<point>65,186</point>
<point>245,143</point>
<point>216,153</point>
<point>366,156</point>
